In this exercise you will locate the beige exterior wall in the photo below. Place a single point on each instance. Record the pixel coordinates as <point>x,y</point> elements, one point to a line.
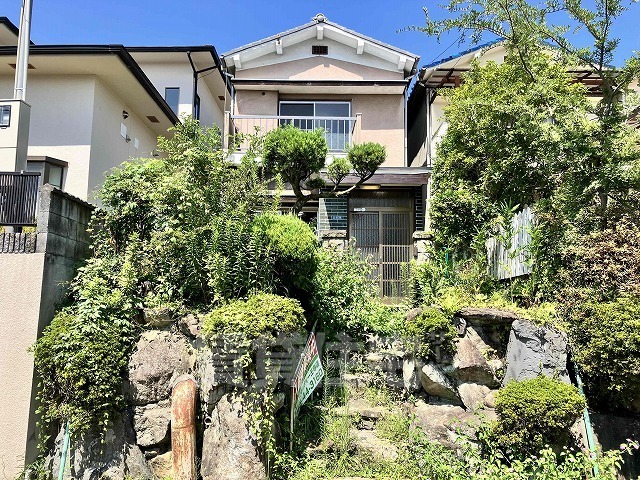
<point>21,284</point>
<point>319,68</point>
<point>382,116</point>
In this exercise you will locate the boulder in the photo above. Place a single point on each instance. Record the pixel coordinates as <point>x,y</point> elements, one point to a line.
<point>412,314</point>
<point>229,449</point>
<point>411,374</point>
<point>160,357</point>
<point>439,422</point>
<point>367,441</point>
<point>162,465</point>
<point>151,423</point>
<point>389,365</point>
<point>490,399</point>
<point>190,326</point>
<point>486,316</point>
<point>470,365</point>
<point>157,317</point>
<point>473,395</point>
<point>94,456</point>
<point>534,350</point>
<point>436,383</point>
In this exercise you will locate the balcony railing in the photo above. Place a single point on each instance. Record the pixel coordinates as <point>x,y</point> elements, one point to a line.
<point>18,198</point>
<point>340,132</point>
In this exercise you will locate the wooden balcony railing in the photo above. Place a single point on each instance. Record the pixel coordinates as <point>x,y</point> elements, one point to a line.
<point>18,198</point>
<point>340,132</point>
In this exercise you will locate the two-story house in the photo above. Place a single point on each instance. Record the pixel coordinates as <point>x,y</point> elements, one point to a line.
<point>94,106</point>
<point>323,75</point>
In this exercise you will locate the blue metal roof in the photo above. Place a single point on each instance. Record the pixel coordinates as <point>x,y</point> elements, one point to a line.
<point>461,54</point>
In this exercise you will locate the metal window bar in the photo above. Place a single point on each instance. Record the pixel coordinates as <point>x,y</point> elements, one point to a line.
<point>18,198</point>
<point>338,131</point>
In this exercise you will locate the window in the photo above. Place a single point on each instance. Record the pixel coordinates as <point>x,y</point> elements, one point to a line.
<point>5,116</point>
<point>51,170</point>
<point>332,117</point>
<point>172,97</point>
<point>196,107</point>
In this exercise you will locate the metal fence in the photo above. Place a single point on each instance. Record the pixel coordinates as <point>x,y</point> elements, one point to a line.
<point>507,253</point>
<point>18,198</point>
<point>18,242</point>
<point>338,131</point>
<point>390,268</point>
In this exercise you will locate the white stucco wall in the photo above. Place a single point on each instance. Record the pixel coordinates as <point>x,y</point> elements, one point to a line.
<point>61,122</point>
<point>164,75</point>
<point>108,148</point>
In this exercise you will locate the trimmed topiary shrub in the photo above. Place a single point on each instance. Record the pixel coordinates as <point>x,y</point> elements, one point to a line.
<point>605,338</point>
<point>293,244</point>
<point>365,158</point>
<point>430,328</point>
<point>534,413</point>
<point>262,314</point>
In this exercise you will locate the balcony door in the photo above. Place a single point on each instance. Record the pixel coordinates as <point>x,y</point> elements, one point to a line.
<point>334,118</point>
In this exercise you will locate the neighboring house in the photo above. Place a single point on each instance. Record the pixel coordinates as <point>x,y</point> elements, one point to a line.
<point>323,75</point>
<point>427,124</point>
<point>91,107</point>
<point>95,106</point>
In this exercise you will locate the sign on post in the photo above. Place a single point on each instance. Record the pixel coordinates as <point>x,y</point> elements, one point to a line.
<point>307,377</point>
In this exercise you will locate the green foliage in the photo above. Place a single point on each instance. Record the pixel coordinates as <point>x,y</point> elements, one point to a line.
<point>365,158</point>
<point>261,314</point>
<point>294,154</point>
<point>344,297</point>
<point>605,338</point>
<point>605,262</point>
<point>501,146</point>
<point>294,246</point>
<point>432,327</point>
<point>173,232</point>
<point>535,413</point>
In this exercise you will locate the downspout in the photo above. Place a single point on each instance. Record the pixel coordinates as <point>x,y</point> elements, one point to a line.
<point>195,82</point>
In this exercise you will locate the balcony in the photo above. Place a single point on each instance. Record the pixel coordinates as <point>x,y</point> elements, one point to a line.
<point>340,132</point>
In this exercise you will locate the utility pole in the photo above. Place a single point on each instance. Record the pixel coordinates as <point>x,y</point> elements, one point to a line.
<point>22,62</point>
<point>15,113</point>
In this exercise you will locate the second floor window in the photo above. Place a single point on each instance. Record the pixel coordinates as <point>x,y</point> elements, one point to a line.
<point>172,97</point>
<point>332,117</point>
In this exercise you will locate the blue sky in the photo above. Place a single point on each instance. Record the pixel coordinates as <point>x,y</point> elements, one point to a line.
<point>231,23</point>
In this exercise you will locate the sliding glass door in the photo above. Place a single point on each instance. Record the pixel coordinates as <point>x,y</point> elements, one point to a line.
<point>332,117</point>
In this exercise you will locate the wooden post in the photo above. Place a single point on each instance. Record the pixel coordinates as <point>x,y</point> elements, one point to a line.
<point>183,428</point>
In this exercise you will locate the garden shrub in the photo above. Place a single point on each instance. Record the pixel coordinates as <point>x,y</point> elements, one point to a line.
<point>293,244</point>
<point>534,413</point>
<point>605,340</point>
<point>341,291</point>
<point>608,262</point>
<point>261,314</point>
<point>432,327</point>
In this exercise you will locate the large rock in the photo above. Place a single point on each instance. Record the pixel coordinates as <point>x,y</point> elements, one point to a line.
<point>534,350</point>
<point>151,423</point>
<point>157,317</point>
<point>229,449</point>
<point>162,465</point>
<point>473,395</point>
<point>440,422</point>
<point>470,365</point>
<point>159,359</point>
<point>486,316</point>
<point>436,383</point>
<point>93,456</point>
<point>411,368</point>
<point>367,441</point>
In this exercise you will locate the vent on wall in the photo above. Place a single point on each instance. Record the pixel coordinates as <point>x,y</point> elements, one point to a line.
<point>319,50</point>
